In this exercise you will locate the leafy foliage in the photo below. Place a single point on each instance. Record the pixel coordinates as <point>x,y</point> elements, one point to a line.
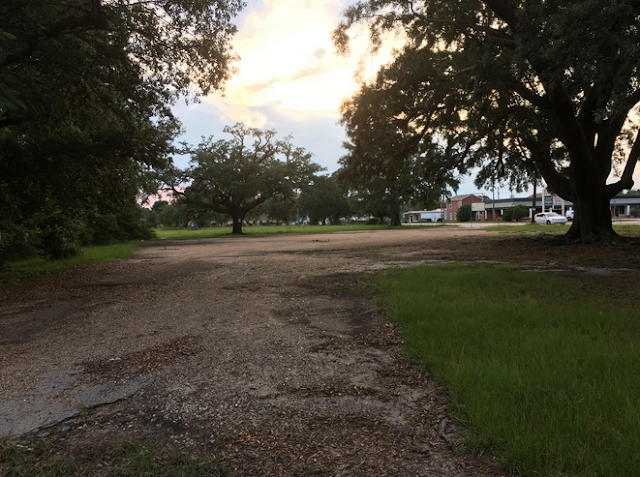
<point>516,88</point>
<point>515,213</point>
<point>463,214</point>
<point>384,164</point>
<point>85,95</point>
<point>325,198</point>
<point>233,178</point>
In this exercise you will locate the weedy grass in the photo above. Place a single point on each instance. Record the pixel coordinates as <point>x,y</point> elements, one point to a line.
<point>41,269</point>
<point>132,460</point>
<point>541,369</point>
<point>264,230</point>
<point>529,227</point>
<point>39,461</point>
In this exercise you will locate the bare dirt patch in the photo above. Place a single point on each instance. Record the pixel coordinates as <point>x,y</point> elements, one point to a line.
<point>267,353</point>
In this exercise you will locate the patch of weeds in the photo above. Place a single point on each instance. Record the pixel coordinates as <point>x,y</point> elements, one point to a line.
<point>139,460</point>
<point>322,268</point>
<point>225,437</point>
<point>19,460</point>
<point>83,413</point>
<point>338,289</point>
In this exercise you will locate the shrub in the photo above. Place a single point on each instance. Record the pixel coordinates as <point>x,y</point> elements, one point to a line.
<point>464,213</point>
<point>516,213</point>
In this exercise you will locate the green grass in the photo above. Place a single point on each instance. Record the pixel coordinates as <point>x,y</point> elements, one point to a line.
<point>25,460</point>
<point>541,369</point>
<point>622,227</point>
<point>527,228</point>
<point>131,460</point>
<point>40,269</point>
<point>263,230</point>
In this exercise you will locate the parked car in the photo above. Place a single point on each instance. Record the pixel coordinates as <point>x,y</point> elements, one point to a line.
<point>549,218</point>
<point>569,214</point>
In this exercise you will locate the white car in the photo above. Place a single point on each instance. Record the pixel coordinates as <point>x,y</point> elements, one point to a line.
<point>549,218</point>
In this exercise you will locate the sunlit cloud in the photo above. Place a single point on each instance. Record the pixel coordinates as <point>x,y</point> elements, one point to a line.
<point>289,78</point>
<point>288,59</point>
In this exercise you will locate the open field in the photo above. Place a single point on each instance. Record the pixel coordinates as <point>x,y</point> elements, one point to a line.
<point>264,230</point>
<point>267,354</point>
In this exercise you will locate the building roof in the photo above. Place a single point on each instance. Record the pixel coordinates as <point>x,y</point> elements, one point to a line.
<point>462,197</point>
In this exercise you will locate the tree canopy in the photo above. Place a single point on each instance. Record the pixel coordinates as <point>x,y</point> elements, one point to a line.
<point>233,177</point>
<point>86,88</point>
<point>325,198</point>
<point>514,87</point>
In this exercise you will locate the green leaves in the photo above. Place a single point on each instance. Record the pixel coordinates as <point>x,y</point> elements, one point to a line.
<point>85,94</point>
<point>517,89</point>
<point>235,176</point>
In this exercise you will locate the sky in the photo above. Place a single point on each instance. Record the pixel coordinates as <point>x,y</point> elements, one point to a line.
<point>291,80</point>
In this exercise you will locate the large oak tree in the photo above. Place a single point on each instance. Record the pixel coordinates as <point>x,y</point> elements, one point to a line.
<point>234,177</point>
<point>86,89</point>
<point>538,86</point>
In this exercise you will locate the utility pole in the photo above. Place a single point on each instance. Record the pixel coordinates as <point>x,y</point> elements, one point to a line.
<point>493,192</point>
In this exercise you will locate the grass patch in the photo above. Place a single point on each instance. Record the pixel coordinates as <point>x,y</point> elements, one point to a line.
<point>541,369</point>
<point>529,227</point>
<point>264,230</point>
<point>132,460</point>
<point>40,269</point>
<point>622,227</point>
<point>25,460</point>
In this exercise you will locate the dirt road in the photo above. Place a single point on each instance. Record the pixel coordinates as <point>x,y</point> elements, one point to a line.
<point>265,352</point>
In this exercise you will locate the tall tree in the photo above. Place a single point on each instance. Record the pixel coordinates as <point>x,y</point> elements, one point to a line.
<point>86,88</point>
<point>234,177</point>
<point>383,152</point>
<point>325,198</point>
<point>554,82</point>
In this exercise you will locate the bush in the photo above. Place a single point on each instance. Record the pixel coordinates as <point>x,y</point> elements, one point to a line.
<point>464,213</point>
<point>59,235</point>
<point>515,213</point>
<point>372,221</point>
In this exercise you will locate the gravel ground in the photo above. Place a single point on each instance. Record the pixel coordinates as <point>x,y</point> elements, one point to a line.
<point>266,353</point>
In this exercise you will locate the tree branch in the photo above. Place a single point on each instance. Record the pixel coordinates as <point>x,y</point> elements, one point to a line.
<point>626,180</point>
<point>92,20</point>
<point>504,10</point>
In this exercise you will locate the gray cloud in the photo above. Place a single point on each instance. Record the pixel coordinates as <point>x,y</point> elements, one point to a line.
<point>320,53</point>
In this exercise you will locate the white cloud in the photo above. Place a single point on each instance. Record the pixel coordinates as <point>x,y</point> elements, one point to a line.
<point>289,77</point>
<point>287,57</point>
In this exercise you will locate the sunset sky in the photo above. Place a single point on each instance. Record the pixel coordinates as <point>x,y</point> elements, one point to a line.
<point>290,80</point>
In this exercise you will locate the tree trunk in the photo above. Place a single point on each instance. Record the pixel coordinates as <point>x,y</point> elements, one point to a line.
<point>395,217</point>
<point>592,217</point>
<point>395,207</point>
<point>237,224</point>
<point>535,202</point>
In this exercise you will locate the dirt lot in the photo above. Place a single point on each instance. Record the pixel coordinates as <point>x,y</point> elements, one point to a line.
<point>266,353</point>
